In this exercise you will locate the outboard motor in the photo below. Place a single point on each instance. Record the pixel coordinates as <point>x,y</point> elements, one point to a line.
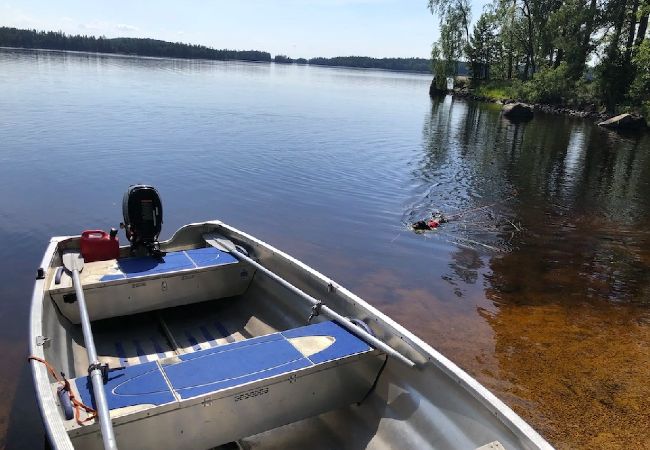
<point>142,210</point>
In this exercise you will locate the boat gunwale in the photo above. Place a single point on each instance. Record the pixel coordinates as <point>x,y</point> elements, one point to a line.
<point>55,430</point>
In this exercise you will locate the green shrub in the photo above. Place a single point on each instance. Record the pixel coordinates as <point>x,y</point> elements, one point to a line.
<point>519,91</point>
<point>549,85</point>
<point>585,92</point>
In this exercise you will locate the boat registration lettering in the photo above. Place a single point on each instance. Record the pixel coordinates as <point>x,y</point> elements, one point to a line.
<point>251,394</point>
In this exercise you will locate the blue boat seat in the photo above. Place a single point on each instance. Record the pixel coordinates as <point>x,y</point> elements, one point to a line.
<point>187,276</point>
<point>224,367</point>
<point>172,262</point>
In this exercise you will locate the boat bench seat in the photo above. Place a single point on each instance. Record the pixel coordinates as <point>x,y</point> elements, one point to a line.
<point>172,262</point>
<point>145,266</point>
<point>131,285</point>
<point>226,366</point>
<point>284,376</point>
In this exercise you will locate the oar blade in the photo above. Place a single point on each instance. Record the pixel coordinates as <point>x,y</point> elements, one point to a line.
<point>220,242</point>
<point>73,261</point>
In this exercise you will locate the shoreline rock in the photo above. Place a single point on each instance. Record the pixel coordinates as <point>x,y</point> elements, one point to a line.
<point>434,91</point>
<point>518,111</point>
<point>624,122</point>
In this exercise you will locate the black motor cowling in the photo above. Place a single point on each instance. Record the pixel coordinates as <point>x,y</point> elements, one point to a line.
<point>143,217</point>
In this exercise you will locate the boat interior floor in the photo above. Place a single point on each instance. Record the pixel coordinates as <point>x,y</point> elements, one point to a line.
<point>146,337</point>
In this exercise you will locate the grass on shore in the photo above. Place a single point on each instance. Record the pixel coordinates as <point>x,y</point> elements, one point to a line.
<point>494,90</point>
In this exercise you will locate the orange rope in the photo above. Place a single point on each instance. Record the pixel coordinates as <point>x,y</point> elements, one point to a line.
<point>65,384</point>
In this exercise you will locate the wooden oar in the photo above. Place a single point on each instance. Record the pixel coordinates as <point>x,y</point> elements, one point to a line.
<point>74,263</point>
<point>222,243</point>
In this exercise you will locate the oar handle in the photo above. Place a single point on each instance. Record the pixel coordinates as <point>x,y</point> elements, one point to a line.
<point>344,322</point>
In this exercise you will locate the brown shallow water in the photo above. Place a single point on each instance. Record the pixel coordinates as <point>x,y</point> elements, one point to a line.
<point>572,327</point>
<point>539,285</point>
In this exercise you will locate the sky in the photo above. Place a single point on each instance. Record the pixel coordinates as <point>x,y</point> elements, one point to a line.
<point>298,28</point>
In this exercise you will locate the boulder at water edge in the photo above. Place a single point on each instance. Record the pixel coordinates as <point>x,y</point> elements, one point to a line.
<point>624,122</point>
<point>520,111</point>
<point>434,91</point>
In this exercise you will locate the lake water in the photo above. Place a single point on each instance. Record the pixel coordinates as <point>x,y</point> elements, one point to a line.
<point>539,284</point>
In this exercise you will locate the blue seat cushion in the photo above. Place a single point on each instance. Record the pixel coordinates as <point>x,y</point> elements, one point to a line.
<point>133,385</point>
<point>226,366</point>
<point>232,365</point>
<point>171,262</point>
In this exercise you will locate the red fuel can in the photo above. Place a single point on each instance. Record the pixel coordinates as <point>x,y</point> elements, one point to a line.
<point>98,245</point>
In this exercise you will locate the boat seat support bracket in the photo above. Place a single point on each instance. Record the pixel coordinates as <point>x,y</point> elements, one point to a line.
<point>315,311</point>
<point>103,368</point>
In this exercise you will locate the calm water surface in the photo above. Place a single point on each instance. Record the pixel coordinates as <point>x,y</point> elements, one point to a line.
<point>539,285</point>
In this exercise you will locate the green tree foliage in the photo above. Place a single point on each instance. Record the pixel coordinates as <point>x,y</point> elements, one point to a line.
<point>456,13</point>
<point>12,37</point>
<point>640,88</point>
<point>441,68</point>
<point>455,17</point>
<point>575,21</point>
<point>562,51</point>
<point>484,46</point>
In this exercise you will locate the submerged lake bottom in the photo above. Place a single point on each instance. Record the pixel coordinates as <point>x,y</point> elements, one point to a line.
<point>538,283</point>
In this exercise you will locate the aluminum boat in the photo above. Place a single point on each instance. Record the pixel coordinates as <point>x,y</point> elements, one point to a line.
<point>215,338</point>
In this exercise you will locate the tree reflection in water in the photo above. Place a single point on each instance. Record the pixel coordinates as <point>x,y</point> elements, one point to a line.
<point>567,298</point>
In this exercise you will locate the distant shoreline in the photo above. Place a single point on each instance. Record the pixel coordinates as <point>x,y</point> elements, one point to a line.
<point>155,48</point>
<point>380,69</point>
<point>124,55</point>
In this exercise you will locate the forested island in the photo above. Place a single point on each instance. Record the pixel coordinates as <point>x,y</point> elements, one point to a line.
<point>56,40</point>
<point>419,65</point>
<point>582,54</point>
